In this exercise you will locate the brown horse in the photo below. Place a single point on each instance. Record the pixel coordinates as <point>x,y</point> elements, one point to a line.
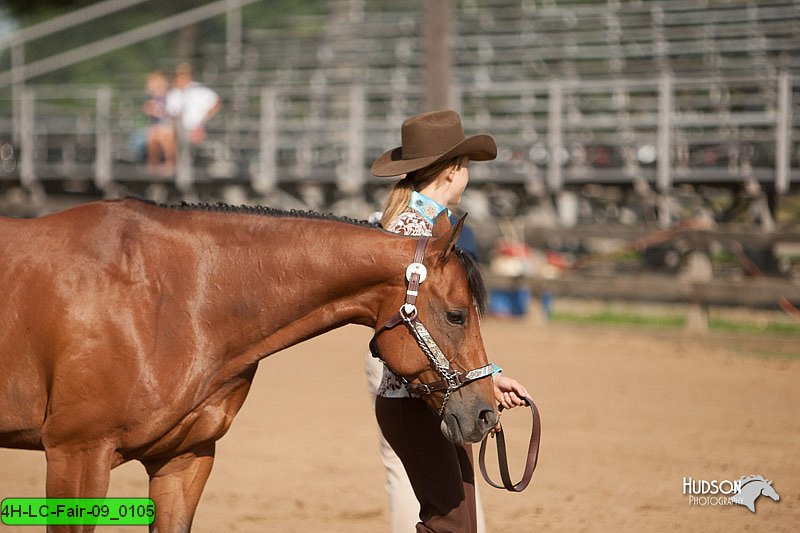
<point>133,331</point>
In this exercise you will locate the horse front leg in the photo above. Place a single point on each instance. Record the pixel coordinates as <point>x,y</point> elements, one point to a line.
<point>74,472</point>
<point>176,484</point>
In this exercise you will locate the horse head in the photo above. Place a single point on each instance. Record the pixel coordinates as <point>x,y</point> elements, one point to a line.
<point>438,348</point>
<point>751,488</point>
<point>769,491</point>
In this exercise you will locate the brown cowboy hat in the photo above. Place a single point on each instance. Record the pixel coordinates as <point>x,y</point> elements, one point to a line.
<point>429,138</point>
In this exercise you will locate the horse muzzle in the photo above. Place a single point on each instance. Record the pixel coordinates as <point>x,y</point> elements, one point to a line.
<point>466,424</point>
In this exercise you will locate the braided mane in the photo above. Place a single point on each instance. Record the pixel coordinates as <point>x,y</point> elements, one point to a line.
<point>258,210</point>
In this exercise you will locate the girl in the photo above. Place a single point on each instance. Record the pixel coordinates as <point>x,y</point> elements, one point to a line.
<point>434,158</point>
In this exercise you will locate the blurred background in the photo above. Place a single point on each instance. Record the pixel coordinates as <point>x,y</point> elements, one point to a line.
<point>649,150</point>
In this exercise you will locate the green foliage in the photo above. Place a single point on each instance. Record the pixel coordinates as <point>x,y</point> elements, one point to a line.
<point>725,257</point>
<point>616,318</point>
<point>31,11</point>
<point>770,328</point>
<point>127,66</point>
<point>789,209</point>
<point>612,318</point>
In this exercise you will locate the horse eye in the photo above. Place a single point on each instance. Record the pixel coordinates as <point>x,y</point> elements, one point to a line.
<point>456,317</point>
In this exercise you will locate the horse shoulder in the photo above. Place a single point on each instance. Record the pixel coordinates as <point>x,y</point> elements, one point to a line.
<point>208,421</point>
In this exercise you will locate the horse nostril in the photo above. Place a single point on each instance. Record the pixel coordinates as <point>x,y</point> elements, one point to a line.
<point>488,418</point>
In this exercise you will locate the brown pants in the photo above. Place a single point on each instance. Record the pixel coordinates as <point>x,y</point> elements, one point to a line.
<point>440,472</point>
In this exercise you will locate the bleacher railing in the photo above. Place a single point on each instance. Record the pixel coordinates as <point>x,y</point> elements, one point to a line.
<point>664,131</point>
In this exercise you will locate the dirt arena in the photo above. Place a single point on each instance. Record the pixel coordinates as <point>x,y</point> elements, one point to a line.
<point>627,414</point>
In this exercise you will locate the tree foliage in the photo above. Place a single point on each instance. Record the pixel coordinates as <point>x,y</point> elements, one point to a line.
<point>199,43</point>
<point>27,10</point>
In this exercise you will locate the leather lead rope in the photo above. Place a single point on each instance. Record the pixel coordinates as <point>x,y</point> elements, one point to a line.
<point>502,459</point>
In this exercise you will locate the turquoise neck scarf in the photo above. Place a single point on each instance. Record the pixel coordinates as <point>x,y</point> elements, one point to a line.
<point>425,206</point>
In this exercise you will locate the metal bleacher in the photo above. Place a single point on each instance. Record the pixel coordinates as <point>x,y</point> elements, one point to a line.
<point>651,93</point>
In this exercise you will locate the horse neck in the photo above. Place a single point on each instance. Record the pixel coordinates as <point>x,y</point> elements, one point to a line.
<point>294,279</point>
<point>752,489</point>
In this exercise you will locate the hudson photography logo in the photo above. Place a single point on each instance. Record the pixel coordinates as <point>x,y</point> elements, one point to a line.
<point>743,491</point>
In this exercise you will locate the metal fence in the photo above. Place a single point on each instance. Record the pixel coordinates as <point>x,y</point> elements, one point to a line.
<point>665,131</point>
<point>654,94</point>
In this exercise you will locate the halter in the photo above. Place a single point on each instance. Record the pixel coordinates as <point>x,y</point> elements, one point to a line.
<point>452,379</point>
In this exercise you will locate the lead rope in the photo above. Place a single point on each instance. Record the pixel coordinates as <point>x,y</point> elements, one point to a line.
<point>502,457</point>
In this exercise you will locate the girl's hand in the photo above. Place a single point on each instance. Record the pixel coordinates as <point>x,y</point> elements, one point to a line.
<point>509,392</point>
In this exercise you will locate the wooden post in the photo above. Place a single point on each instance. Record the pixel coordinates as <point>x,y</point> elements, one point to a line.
<point>265,180</point>
<point>438,54</point>
<point>664,161</point>
<point>17,89</point>
<point>353,179</point>
<point>783,134</point>
<point>102,166</point>
<point>555,103</point>
<point>698,270</point>
<point>27,175</point>
<point>233,34</point>
<point>184,171</point>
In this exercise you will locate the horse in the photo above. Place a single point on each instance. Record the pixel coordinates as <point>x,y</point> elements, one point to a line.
<point>751,488</point>
<point>133,330</point>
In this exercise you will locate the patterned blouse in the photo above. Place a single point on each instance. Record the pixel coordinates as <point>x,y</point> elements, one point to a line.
<point>416,220</point>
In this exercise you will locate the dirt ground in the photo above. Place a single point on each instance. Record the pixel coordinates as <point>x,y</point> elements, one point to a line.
<point>626,414</point>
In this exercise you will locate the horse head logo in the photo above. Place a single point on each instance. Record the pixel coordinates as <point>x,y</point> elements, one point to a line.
<point>751,488</point>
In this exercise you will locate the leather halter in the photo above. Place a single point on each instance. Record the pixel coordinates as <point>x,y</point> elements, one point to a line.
<point>452,379</point>
<point>530,463</point>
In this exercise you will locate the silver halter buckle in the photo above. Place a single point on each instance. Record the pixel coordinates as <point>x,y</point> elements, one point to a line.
<point>419,269</point>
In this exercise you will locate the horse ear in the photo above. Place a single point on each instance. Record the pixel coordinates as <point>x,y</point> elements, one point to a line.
<point>452,237</point>
<point>441,224</point>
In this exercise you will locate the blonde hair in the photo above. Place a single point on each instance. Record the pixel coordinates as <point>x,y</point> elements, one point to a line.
<point>398,197</point>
